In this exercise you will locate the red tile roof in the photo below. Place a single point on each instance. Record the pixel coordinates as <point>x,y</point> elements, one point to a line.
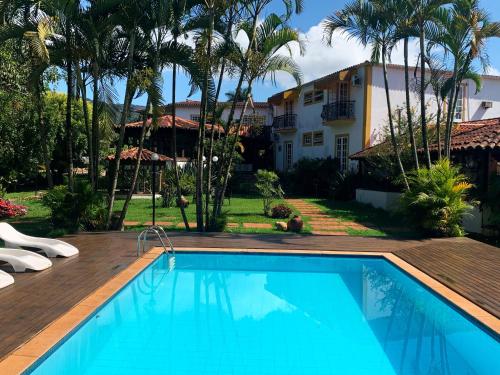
<point>181,123</point>
<point>131,155</point>
<point>480,134</point>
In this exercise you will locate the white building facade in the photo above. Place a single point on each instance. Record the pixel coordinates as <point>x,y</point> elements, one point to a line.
<point>345,112</point>
<point>257,113</point>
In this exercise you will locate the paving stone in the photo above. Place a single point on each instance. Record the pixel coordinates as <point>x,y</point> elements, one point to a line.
<point>257,226</point>
<point>160,223</point>
<point>131,223</point>
<point>191,225</point>
<point>233,225</point>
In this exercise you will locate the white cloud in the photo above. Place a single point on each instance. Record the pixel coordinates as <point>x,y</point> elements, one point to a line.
<point>320,60</point>
<point>492,71</point>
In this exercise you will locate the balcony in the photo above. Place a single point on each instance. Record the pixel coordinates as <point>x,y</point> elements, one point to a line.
<point>338,112</point>
<point>285,123</point>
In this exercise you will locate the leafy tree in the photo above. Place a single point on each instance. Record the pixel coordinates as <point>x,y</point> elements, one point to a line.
<point>268,185</point>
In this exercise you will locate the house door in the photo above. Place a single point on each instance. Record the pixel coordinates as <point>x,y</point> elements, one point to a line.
<point>343,99</point>
<point>288,156</point>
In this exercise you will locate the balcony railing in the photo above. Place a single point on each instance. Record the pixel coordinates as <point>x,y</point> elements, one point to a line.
<point>341,110</point>
<point>288,121</point>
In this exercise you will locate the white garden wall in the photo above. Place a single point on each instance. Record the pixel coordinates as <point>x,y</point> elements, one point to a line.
<point>378,199</point>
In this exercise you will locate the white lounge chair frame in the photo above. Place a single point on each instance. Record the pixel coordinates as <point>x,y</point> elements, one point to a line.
<point>5,279</point>
<point>21,260</point>
<point>51,247</point>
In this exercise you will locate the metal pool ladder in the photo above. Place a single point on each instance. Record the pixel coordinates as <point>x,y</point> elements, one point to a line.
<point>159,233</point>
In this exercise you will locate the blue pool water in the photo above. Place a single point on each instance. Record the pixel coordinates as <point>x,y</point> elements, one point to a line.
<point>265,314</point>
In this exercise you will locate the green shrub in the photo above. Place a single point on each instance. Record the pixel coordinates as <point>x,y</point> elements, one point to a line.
<point>81,209</point>
<point>436,201</point>
<point>281,211</point>
<point>269,188</point>
<point>344,186</point>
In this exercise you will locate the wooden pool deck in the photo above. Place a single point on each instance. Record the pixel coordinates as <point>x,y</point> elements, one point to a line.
<point>467,267</point>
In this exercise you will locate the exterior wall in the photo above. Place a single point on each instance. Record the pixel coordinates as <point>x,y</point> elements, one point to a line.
<point>373,102</point>
<point>187,111</point>
<point>473,109</point>
<point>378,199</point>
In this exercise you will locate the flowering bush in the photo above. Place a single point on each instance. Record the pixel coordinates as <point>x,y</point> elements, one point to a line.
<point>281,212</point>
<point>8,209</point>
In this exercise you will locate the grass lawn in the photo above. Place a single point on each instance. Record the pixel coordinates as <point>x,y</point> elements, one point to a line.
<point>239,210</point>
<point>381,222</point>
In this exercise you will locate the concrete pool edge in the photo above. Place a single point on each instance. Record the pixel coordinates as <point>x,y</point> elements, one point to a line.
<point>31,351</point>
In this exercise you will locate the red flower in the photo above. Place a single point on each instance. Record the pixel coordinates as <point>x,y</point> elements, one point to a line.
<point>8,209</point>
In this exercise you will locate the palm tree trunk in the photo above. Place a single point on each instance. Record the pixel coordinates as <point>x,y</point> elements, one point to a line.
<point>408,106</point>
<point>95,123</point>
<point>449,115</point>
<point>450,130</point>
<point>174,147</point>
<point>227,170</point>
<point>391,123</point>
<point>85,108</point>
<point>43,132</point>
<point>438,128</point>
<point>137,167</point>
<point>208,191</point>
<point>123,120</point>
<point>425,139</point>
<point>201,129</point>
<point>224,164</point>
<point>69,130</point>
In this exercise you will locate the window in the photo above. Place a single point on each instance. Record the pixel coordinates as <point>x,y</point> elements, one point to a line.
<point>459,110</point>
<point>318,138</point>
<point>288,157</point>
<point>343,94</point>
<point>307,139</point>
<point>312,97</point>
<point>308,98</point>
<point>288,107</point>
<point>342,151</point>
<point>318,96</point>
<point>254,120</point>
<point>196,118</point>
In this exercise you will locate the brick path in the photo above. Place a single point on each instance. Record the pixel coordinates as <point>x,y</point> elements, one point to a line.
<point>323,224</point>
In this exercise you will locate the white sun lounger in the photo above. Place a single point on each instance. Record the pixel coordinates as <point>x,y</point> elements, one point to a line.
<point>5,279</point>
<point>21,260</point>
<point>52,248</point>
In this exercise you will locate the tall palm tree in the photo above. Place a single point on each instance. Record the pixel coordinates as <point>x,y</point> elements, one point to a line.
<point>371,23</point>
<point>425,13</point>
<point>464,32</point>
<point>264,61</point>
<point>35,29</point>
<point>253,10</point>
<point>406,30</point>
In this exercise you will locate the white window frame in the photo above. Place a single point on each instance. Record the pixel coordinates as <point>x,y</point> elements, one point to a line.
<point>458,116</point>
<point>307,139</point>
<point>342,151</point>
<point>318,138</point>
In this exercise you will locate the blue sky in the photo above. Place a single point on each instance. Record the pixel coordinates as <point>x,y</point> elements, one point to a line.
<point>319,59</point>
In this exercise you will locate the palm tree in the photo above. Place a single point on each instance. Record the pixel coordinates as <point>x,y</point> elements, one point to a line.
<point>131,15</point>
<point>464,31</point>
<point>425,14</point>
<point>372,23</point>
<point>406,30</point>
<point>264,61</point>
<point>253,10</point>
<point>36,30</point>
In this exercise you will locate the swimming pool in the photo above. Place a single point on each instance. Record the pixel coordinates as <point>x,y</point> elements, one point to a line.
<point>275,314</point>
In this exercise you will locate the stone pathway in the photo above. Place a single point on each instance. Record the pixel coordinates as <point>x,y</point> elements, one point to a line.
<point>323,224</point>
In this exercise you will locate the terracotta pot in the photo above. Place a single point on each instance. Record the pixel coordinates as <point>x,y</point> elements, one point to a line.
<point>295,224</point>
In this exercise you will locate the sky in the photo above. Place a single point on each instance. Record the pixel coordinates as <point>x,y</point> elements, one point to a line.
<point>319,59</point>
